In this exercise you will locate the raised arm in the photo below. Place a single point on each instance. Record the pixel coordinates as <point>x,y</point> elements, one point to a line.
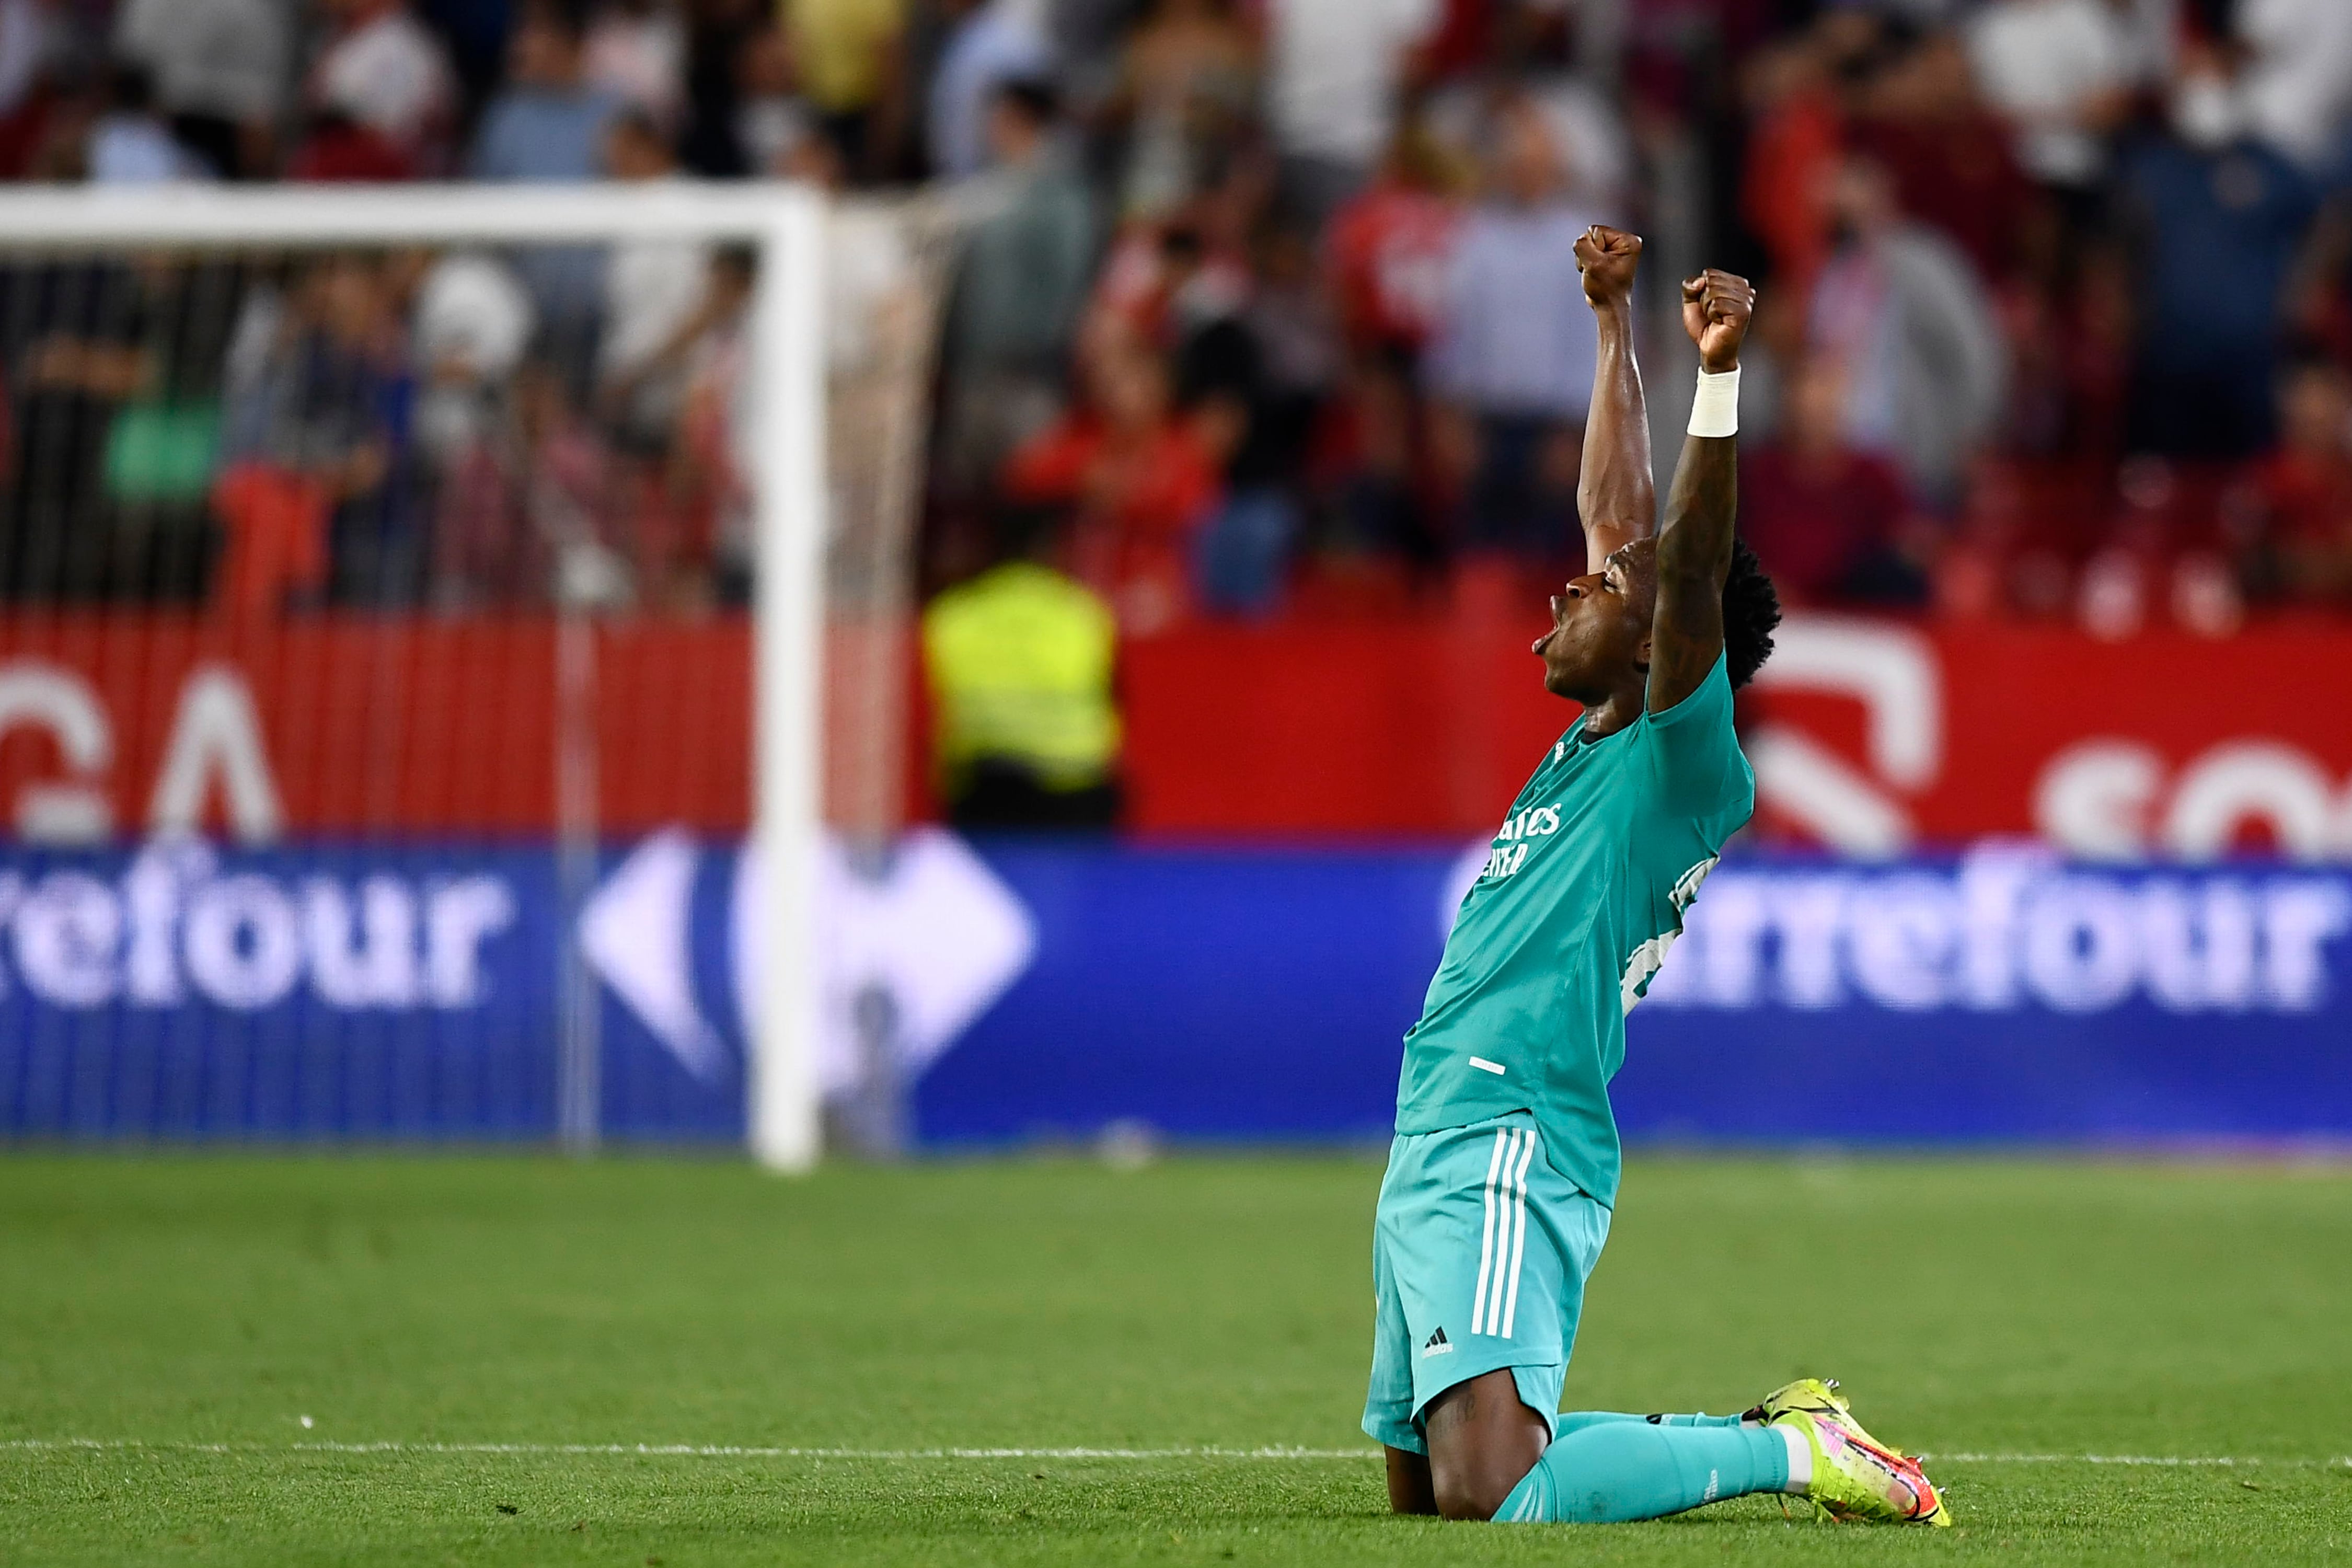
<point>1616,492</point>
<point>1695,548</point>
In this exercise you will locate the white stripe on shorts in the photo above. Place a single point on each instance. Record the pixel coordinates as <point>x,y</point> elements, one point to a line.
<point>1486,1242</point>
<point>1518,1233</point>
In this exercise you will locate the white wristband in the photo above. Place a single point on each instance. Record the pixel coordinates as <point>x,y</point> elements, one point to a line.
<point>1715,412</point>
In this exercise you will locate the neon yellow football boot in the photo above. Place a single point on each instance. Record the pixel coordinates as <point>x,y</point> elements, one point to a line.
<point>1816,1394</point>
<point>1820,1395</point>
<point>1856,1476</point>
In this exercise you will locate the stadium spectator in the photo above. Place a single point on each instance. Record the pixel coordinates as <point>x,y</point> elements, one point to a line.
<point>844,50</point>
<point>1231,133</point>
<point>992,43</point>
<point>1950,158</point>
<point>1253,379</point>
<point>1336,70</point>
<point>1187,91</point>
<point>523,510</point>
<point>1139,480</point>
<point>1901,318</point>
<point>1390,246</point>
<point>653,297</point>
<point>220,69</point>
<point>1013,310</point>
<point>1828,521</point>
<point>471,323</point>
<point>1513,358</point>
<point>717,34</point>
<point>2062,73</point>
<point>636,51</point>
<point>337,149</point>
<point>712,455</point>
<point>2294,79</point>
<point>2202,204</point>
<point>2302,494</point>
<point>321,398</point>
<point>129,144</point>
<point>112,372</point>
<point>772,120</point>
<point>27,44</point>
<point>387,71</point>
<point>1019,662</point>
<point>548,124</point>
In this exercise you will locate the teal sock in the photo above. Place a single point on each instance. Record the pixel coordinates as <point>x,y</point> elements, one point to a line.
<point>1606,1472</point>
<point>1577,1421</point>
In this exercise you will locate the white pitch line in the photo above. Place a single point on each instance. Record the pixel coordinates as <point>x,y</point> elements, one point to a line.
<point>756,1451</point>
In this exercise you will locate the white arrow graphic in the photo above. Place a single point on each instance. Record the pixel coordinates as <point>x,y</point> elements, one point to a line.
<point>932,926</point>
<point>633,934</point>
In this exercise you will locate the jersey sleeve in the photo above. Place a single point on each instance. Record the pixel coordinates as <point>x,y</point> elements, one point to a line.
<point>1696,752</point>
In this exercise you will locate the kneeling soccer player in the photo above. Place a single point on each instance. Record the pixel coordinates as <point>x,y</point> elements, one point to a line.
<point>1500,1183</point>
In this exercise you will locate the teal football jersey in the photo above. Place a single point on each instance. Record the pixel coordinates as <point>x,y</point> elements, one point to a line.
<point>1581,895</point>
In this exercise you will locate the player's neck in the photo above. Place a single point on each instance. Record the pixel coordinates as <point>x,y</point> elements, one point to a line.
<point>1611,713</point>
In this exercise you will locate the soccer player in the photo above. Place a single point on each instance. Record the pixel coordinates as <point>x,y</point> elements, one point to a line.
<point>1505,1168</point>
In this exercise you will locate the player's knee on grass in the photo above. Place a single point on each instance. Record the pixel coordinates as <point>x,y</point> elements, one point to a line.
<point>1410,1491</point>
<point>1481,1442</point>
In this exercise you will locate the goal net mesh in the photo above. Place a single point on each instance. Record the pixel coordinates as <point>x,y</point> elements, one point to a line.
<point>376,671</point>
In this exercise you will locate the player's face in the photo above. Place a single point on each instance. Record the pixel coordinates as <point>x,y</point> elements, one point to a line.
<point>1599,623</point>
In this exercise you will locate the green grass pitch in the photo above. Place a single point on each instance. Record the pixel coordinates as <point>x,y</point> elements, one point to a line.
<point>185,1314</point>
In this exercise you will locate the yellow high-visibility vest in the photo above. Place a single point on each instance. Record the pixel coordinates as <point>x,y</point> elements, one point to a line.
<point>1019,660</point>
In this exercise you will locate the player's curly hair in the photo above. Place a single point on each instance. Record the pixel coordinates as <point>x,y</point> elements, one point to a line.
<point>1751,609</point>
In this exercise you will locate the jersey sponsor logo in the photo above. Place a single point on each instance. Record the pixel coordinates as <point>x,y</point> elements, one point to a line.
<point>1516,837</point>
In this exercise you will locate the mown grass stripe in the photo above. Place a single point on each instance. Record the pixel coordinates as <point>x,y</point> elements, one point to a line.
<point>765,1451</point>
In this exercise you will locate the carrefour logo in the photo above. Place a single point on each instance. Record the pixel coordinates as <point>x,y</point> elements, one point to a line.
<point>2006,929</point>
<point>175,926</point>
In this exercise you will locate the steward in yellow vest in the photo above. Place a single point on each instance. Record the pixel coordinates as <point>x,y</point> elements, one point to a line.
<point>1019,660</point>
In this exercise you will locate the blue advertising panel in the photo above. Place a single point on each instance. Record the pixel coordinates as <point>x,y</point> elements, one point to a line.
<point>1039,989</point>
<point>187,991</point>
<point>2003,996</point>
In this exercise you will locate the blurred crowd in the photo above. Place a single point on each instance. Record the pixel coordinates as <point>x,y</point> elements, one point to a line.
<point>1269,307</point>
<point>2055,322</point>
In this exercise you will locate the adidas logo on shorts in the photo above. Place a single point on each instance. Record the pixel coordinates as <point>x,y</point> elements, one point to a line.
<point>1438,1344</point>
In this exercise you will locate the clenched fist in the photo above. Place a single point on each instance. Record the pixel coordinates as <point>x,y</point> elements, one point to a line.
<point>1607,257</point>
<point>1717,307</point>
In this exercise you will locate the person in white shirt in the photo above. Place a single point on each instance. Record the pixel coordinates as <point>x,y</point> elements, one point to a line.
<point>2294,87</point>
<point>654,291</point>
<point>1513,358</point>
<point>2059,71</point>
<point>387,71</point>
<point>219,67</point>
<point>1335,71</point>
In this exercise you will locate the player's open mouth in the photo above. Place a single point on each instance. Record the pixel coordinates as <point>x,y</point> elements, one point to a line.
<point>1558,606</point>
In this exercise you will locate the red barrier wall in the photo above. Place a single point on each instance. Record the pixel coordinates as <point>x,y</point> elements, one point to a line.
<point>1955,732</point>
<point>365,725</point>
<point>381,724</point>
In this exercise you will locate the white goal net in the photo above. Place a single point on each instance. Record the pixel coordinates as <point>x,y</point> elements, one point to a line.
<point>418,609</point>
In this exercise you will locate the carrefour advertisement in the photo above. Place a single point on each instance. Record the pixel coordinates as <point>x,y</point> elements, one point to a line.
<point>1036,990</point>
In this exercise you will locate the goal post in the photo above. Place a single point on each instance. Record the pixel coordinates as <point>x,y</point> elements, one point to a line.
<point>784,428</point>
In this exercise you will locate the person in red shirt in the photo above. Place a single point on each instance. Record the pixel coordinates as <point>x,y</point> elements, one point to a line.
<point>2304,551</point>
<point>1388,249</point>
<point>1827,521</point>
<point>1139,479</point>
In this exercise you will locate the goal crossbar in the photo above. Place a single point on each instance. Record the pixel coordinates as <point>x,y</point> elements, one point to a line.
<point>785,223</point>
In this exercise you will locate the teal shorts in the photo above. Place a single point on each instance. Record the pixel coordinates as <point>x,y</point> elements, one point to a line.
<point>1480,1251</point>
